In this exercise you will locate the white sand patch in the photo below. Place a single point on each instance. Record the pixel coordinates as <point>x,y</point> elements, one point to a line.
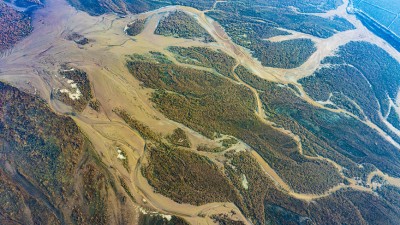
<point>245,183</point>
<point>145,212</point>
<point>167,217</point>
<point>120,155</point>
<point>375,185</point>
<point>74,96</point>
<point>69,70</point>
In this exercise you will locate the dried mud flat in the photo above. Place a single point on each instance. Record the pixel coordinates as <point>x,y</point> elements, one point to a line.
<point>33,64</point>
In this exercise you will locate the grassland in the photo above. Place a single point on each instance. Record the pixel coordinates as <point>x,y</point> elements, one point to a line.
<point>377,81</point>
<point>206,57</point>
<point>262,202</point>
<point>123,7</point>
<point>253,34</point>
<point>180,174</point>
<point>258,197</point>
<point>181,25</point>
<point>159,220</point>
<point>213,105</point>
<point>179,138</point>
<point>223,219</point>
<point>307,6</point>
<point>78,82</point>
<point>279,17</point>
<point>268,205</point>
<point>321,132</point>
<point>393,118</point>
<point>347,136</point>
<point>134,28</point>
<point>77,38</point>
<point>186,177</point>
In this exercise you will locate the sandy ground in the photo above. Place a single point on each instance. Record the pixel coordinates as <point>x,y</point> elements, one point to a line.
<point>33,64</point>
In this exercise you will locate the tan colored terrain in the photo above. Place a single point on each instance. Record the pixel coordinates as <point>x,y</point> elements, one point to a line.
<point>33,64</point>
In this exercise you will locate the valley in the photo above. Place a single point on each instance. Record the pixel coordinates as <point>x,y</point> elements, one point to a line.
<point>34,63</point>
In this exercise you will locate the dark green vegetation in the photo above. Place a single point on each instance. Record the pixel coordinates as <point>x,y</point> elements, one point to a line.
<point>390,193</point>
<point>249,23</point>
<point>78,38</point>
<point>249,78</point>
<point>95,104</point>
<point>80,78</point>
<point>223,219</point>
<point>98,7</point>
<point>267,205</point>
<point>44,161</point>
<point>180,174</point>
<point>306,6</point>
<point>153,57</point>
<point>336,136</point>
<point>341,138</point>
<point>243,29</point>
<point>261,190</point>
<point>206,148</point>
<point>186,177</point>
<point>206,57</point>
<point>181,25</point>
<point>149,219</point>
<point>393,118</point>
<point>211,104</point>
<point>285,54</point>
<point>255,14</point>
<point>126,188</point>
<point>252,34</point>
<point>143,130</point>
<point>326,87</point>
<point>27,3</point>
<point>14,26</point>
<point>261,202</point>
<point>179,138</point>
<point>228,142</point>
<point>365,66</point>
<point>134,28</point>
